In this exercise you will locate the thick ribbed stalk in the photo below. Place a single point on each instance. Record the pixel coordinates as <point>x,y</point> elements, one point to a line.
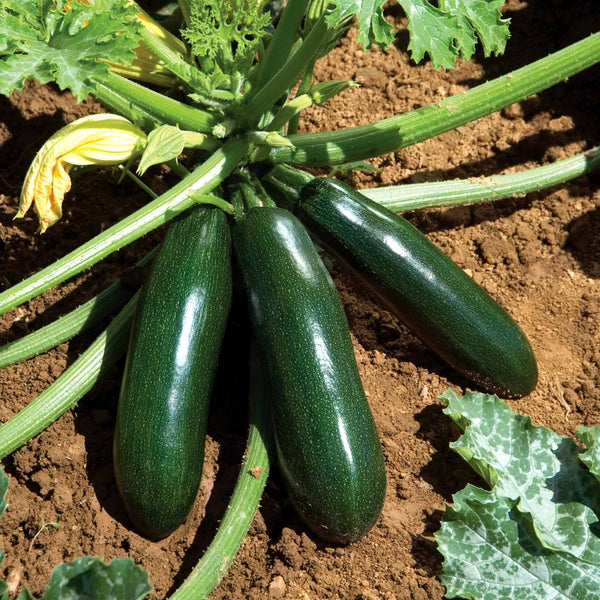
<point>174,60</point>
<point>414,196</point>
<point>285,78</point>
<point>243,503</point>
<point>116,92</point>
<point>185,8</point>
<point>282,41</point>
<point>375,139</point>
<point>304,87</point>
<point>180,197</point>
<point>82,318</point>
<point>71,386</point>
<point>285,184</point>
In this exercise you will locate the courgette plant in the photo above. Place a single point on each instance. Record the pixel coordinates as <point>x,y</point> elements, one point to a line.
<point>237,74</point>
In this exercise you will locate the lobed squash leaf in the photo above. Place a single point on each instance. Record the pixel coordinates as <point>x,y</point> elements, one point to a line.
<point>90,578</point>
<point>531,465</point>
<point>63,40</point>
<point>372,26</point>
<point>225,36</point>
<point>492,551</point>
<point>535,534</point>
<point>590,436</point>
<point>444,30</point>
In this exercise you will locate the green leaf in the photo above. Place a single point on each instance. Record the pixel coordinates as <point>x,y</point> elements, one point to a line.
<point>62,41</point>
<point>372,26</point>
<point>164,144</point>
<point>590,436</point>
<point>485,18</point>
<point>89,578</point>
<point>451,30</point>
<point>491,552</point>
<point>443,30</point>
<point>532,466</point>
<point>441,35</point>
<point>225,35</point>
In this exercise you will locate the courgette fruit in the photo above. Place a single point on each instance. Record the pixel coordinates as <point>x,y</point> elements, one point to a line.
<point>327,444</point>
<point>418,283</point>
<point>171,362</point>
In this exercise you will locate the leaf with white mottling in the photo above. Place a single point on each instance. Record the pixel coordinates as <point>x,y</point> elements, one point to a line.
<point>590,436</point>
<point>532,465</point>
<point>491,552</point>
<point>90,578</point>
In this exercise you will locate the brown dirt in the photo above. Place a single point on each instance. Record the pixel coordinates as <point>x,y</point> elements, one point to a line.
<point>537,255</point>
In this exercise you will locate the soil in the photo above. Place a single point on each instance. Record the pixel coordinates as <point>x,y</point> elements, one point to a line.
<point>538,255</point>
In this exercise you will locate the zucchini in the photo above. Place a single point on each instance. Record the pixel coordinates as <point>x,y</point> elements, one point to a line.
<point>327,443</point>
<point>421,286</point>
<point>171,362</point>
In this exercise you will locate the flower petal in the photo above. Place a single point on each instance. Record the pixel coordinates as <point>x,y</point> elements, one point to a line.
<point>101,139</point>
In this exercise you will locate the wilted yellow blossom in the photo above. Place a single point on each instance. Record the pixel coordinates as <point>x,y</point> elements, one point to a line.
<point>160,32</point>
<point>146,66</point>
<point>102,139</point>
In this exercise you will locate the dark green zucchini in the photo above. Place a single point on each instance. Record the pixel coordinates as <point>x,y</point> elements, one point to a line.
<point>327,444</point>
<point>418,283</point>
<point>171,362</point>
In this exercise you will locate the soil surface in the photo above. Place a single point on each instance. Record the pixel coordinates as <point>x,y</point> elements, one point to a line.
<point>538,255</point>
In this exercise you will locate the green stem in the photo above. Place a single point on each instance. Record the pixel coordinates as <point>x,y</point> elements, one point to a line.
<point>243,503</point>
<point>282,41</point>
<point>83,317</point>
<point>452,193</point>
<point>303,89</point>
<point>214,201</point>
<point>184,6</point>
<point>180,197</point>
<point>174,60</point>
<point>177,168</point>
<point>200,141</point>
<point>123,95</point>
<point>285,78</point>
<point>359,143</point>
<point>290,111</point>
<point>237,200</point>
<point>285,183</point>
<point>124,106</point>
<point>253,193</point>
<point>71,386</point>
<point>316,94</point>
<point>125,171</point>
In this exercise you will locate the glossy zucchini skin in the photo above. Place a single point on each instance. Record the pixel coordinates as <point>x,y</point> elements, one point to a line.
<point>418,283</point>
<point>327,443</point>
<point>171,363</point>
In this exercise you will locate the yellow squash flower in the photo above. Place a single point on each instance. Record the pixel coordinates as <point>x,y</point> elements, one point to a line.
<point>146,66</point>
<point>102,139</point>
